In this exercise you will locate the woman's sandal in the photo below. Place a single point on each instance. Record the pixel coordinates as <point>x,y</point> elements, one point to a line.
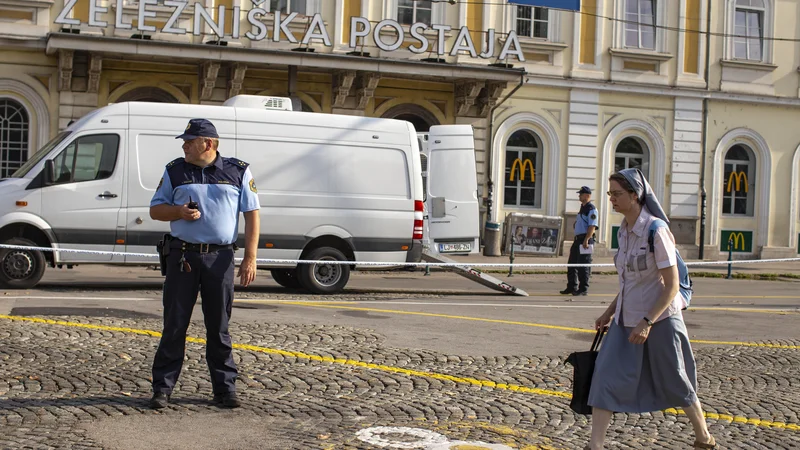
<point>704,446</point>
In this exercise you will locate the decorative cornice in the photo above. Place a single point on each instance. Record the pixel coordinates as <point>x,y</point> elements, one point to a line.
<point>65,59</point>
<point>342,82</point>
<point>466,92</point>
<point>210,73</point>
<point>95,69</point>
<point>367,82</point>
<point>236,77</point>
<point>490,96</point>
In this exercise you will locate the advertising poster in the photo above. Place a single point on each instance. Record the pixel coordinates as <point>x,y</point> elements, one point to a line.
<point>534,239</point>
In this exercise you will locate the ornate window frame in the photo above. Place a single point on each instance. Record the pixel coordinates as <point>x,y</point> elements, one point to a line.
<point>660,32</point>
<point>763,172</point>
<point>553,25</point>
<point>551,156</point>
<point>655,144</point>
<point>38,112</point>
<point>638,65</point>
<point>768,31</point>
<point>794,197</point>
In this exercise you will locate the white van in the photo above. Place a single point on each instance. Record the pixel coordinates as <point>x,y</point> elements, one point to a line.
<point>331,187</point>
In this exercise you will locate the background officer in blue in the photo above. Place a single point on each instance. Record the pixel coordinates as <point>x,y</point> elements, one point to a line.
<point>585,226</point>
<point>201,257</point>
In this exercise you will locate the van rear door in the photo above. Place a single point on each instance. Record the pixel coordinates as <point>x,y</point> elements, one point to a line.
<point>452,201</point>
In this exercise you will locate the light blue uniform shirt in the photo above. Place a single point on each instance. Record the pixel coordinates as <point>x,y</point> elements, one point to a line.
<point>587,217</point>
<point>221,190</point>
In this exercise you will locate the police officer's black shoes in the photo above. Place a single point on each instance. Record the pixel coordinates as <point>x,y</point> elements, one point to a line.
<point>567,291</point>
<point>159,400</point>
<point>227,399</point>
<point>577,293</point>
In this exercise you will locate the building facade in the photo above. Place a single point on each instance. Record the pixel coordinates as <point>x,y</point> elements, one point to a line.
<point>558,99</point>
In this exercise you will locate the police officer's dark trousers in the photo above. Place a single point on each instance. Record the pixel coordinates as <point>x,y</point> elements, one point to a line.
<point>212,276</point>
<point>577,275</point>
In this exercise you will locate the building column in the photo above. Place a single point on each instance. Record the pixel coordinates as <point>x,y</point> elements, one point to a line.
<point>684,181</point>
<point>582,159</point>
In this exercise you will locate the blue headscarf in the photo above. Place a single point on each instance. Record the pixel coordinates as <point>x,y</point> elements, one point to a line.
<point>646,196</point>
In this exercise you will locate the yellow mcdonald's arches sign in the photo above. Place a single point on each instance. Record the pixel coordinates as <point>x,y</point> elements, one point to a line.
<point>522,165</point>
<point>736,238</point>
<point>739,176</point>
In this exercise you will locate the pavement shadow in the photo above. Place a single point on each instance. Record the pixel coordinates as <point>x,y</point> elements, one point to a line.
<point>59,286</point>
<point>137,400</point>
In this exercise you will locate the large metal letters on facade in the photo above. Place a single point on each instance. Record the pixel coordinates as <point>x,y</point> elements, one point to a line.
<point>360,28</point>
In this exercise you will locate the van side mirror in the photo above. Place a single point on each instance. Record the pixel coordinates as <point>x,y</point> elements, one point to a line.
<point>49,172</point>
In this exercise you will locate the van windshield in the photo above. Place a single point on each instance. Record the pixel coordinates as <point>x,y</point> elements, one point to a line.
<point>38,156</point>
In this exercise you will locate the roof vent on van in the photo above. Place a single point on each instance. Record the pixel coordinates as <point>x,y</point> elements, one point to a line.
<point>260,102</point>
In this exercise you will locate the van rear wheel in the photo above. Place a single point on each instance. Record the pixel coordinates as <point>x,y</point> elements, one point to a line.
<point>20,269</point>
<point>324,278</point>
<point>286,278</point>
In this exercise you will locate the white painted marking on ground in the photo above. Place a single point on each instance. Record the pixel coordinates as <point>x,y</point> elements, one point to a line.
<point>411,437</point>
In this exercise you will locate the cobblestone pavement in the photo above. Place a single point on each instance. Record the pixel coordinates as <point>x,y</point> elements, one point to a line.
<point>67,386</point>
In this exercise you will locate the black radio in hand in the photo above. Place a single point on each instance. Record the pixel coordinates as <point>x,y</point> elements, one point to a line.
<point>192,205</point>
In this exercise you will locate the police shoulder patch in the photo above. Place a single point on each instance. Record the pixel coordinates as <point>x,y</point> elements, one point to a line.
<point>160,183</point>
<point>238,162</point>
<point>174,161</point>
<point>594,216</point>
<point>253,185</point>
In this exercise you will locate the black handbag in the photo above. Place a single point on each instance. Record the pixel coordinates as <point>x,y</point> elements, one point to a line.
<point>583,364</point>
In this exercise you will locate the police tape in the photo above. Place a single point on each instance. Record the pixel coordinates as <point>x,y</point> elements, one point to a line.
<point>383,263</point>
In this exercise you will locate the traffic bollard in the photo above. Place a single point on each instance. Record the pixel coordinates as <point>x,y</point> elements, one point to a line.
<point>511,262</point>
<point>730,257</point>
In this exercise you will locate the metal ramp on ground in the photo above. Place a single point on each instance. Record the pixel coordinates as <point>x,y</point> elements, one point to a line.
<point>473,274</point>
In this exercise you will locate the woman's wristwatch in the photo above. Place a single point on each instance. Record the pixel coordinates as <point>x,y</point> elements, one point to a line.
<point>649,322</point>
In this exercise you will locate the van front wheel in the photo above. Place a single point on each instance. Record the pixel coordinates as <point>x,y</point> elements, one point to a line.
<point>321,278</point>
<point>20,269</point>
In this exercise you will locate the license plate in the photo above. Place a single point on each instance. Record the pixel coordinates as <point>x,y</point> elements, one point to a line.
<point>455,247</point>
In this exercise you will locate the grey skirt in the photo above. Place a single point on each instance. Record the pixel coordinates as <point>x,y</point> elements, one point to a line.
<point>638,378</point>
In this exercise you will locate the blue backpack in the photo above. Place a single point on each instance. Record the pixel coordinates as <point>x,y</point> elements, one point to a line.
<point>684,280</point>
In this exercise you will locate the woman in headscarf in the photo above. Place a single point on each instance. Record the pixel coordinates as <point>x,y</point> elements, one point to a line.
<point>645,363</point>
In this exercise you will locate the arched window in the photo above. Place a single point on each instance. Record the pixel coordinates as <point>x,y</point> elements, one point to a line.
<point>14,124</point>
<point>523,170</point>
<point>631,153</point>
<point>738,180</point>
<point>421,118</point>
<point>148,94</point>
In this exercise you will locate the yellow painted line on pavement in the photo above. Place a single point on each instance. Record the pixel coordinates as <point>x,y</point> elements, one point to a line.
<point>612,295</point>
<point>331,305</point>
<point>780,312</point>
<point>416,373</point>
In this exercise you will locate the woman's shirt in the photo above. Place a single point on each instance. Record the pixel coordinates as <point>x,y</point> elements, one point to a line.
<point>640,283</point>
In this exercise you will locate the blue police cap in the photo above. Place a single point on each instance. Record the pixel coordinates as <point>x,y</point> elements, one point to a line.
<point>199,128</point>
<point>585,190</point>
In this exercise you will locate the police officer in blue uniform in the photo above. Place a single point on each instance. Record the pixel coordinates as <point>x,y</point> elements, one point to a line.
<point>585,226</point>
<point>201,196</point>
